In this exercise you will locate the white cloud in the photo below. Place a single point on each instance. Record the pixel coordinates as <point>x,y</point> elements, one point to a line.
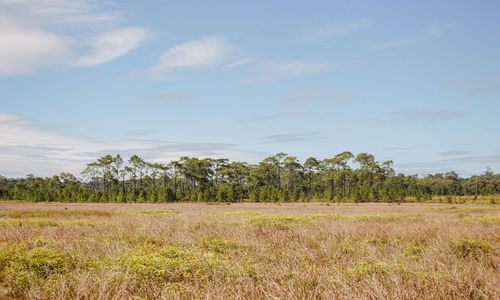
<point>337,28</point>
<point>241,62</point>
<point>34,34</point>
<point>28,147</point>
<point>287,69</point>
<point>205,52</point>
<point>25,48</point>
<point>110,45</point>
<point>64,11</point>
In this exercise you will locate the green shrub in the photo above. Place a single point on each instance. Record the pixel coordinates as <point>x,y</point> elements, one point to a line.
<point>21,268</point>
<point>171,264</point>
<point>470,248</point>
<point>365,269</point>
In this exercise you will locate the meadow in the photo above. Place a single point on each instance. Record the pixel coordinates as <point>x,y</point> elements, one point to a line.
<point>314,250</point>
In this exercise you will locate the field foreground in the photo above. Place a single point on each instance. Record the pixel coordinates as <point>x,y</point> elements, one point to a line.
<point>249,251</point>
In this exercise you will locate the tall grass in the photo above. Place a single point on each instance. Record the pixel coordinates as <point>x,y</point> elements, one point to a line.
<point>249,251</point>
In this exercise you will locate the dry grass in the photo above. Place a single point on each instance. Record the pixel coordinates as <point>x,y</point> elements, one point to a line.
<point>249,251</point>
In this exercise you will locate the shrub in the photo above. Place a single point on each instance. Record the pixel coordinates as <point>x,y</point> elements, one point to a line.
<point>470,248</point>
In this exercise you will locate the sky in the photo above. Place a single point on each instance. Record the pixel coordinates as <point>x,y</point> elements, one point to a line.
<point>415,82</point>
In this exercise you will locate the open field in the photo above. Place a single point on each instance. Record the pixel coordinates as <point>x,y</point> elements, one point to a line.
<point>249,251</point>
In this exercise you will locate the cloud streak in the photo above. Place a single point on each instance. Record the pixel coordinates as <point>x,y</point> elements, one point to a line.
<point>487,85</point>
<point>27,147</point>
<point>201,53</point>
<point>453,153</point>
<point>64,11</point>
<point>433,32</point>
<point>440,165</point>
<point>112,44</point>
<point>423,116</point>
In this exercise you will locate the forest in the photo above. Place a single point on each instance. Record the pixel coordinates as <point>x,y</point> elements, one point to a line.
<point>278,178</point>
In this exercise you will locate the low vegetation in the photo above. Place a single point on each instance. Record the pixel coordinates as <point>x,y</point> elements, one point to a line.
<point>248,251</point>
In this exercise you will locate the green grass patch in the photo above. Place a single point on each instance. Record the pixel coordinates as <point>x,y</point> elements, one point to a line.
<point>480,219</point>
<point>277,221</point>
<point>220,245</point>
<point>171,264</point>
<point>471,249</point>
<point>48,222</point>
<point>21,267</point>
<point>366,269</point>
<point>466,209</point>
<point>56,214</point>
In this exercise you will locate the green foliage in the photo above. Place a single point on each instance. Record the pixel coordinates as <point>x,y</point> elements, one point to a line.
<point>21,267</point>
<point>471,249</point>
<point>171,264</point>
<point>366,269</point>
<point>277,221</point>
<point>279,178</point>
<point>413,252</point>
<point>219,245</point>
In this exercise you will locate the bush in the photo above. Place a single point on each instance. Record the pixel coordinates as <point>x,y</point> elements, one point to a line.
<point>471,248</point>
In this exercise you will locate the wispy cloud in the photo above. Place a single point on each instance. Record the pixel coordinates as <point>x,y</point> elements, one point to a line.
<point>240,62</point>
<point>486,85</point>
<point>286,69</point>
<point>292,137</point>
<point>282,115</point>
<point>454,163</point>
<point>471,82</point>
<point>453,153</point>
<point>110,45</point>
<point>418,115</point>
<point>36,34</point>
<point>337,29</point>
<point>486,159</point>
<point>205,52</point>
<point>24,47</point>
<point>64,11</point>
<point>29,147</point>
<point>431,33</point>
<point>170,98</point>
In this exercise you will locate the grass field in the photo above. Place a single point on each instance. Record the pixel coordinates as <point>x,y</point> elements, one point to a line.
<point>249,251</point>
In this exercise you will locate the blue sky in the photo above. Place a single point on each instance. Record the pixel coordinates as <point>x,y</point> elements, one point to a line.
<point>417,82</point>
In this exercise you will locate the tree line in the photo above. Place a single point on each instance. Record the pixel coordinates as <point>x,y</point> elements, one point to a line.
<point>280,177</point>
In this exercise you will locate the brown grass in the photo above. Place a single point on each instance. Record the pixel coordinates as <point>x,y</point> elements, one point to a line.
<point>249,251</point>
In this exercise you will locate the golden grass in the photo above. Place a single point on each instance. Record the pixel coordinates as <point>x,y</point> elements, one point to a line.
<point>249,251</point>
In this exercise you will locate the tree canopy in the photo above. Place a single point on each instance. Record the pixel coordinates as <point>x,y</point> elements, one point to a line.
<point>281,177</point>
